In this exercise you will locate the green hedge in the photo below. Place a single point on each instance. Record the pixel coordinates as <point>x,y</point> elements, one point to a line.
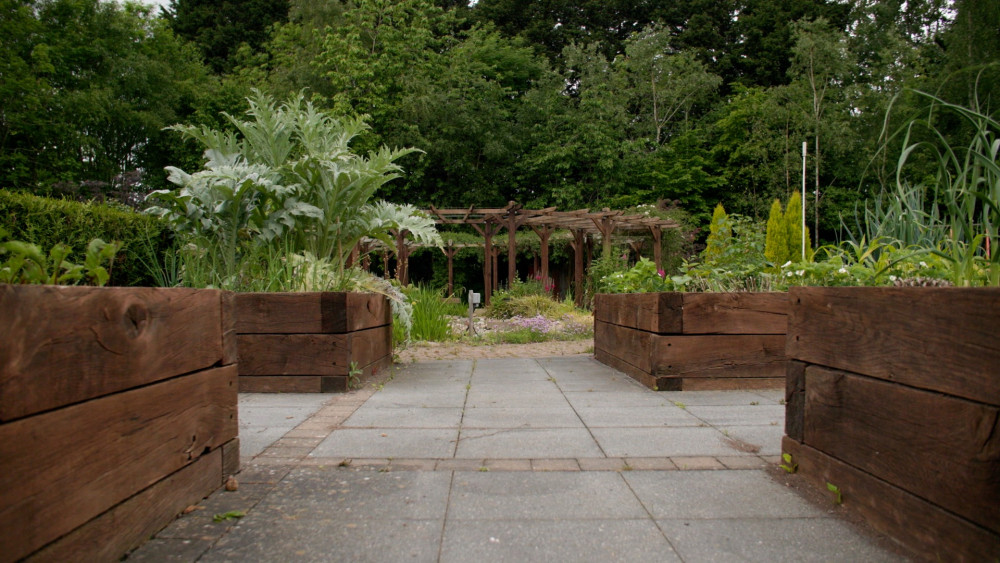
<point>45,222</point>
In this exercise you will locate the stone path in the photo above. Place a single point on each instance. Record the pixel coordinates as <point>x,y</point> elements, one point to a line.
<point>556,459</point>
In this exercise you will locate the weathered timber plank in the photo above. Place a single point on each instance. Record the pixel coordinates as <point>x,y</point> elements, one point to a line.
<point>943,449</point>
<point>369,346</point>
<point>647,379</point>
<point>129,524</point>
<point>61,468</point>
<point>310,313</point>
<point>795,399</point>
<point>231,457</point>
<point>735,313</point>
<point>282,383</point>
<point>720,383</point>
<point>294,354</point>
<point>230,352</point>
<point>926,529</point>
<point>64,345</point>
<point>941,339</point>
<point>651,312</point>
<point>711,355</point>
<point>630,345</point>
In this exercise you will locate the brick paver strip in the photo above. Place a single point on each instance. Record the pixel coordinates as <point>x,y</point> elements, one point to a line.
<point>697,463</point>
<point>413,464</point>
<point>459,465</point>
<point>508,464</point>
<point>554,465</point>
<point>601,464</point>
<point>651,463</point>
<point>743,462</point>
<point>286,452</point>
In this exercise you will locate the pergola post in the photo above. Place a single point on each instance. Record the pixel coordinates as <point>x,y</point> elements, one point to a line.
<point>578,250</point>
<point>450,251</point>
<point>657,246</point>
<point>544,232</point>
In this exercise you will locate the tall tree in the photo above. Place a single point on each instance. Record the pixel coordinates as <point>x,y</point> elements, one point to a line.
<point>220,27</point>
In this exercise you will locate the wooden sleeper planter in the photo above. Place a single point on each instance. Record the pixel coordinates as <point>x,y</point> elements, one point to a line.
<point>678,341</point>
<point>894,397</point>
<point>309,342</point>
<point>118,409</point>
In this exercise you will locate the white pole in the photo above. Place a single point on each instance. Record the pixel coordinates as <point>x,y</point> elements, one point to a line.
<point>804,148</point>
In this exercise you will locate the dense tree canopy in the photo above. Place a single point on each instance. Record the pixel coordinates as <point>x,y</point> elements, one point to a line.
<point>571,103</point>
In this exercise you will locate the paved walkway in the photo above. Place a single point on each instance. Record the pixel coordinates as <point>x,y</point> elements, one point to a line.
<point>558,459</point>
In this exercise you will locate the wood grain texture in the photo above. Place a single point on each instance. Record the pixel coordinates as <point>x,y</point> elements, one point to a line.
<point>128,525</point>
<point>941,448</point>
<point>62,468</point>
<point>64,345</point>
<point>651,312</point>
<point>230,458</point>
<point>230,352</point>
<point>630,345</point>
<point>721,383</point>
<point>312,354</point>
<point>746,355</point>
<point>735,313</point>
<point>940,339</point>
<point>287,383</point>
<point>927,530</point>
<point>310,312</point>
<point>645,378</point>
<point>795,399</point>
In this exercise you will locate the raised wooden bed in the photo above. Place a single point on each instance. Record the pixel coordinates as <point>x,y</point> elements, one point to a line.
<point>675,341</point>
<point>309,342</point>
<point>894,397</point>
<point>117,411</point>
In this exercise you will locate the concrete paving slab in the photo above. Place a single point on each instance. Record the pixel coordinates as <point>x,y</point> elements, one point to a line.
<point>518,417</point>
<point>322,539</point>
<point>715,397</point>
<point>159,550</point>
<point>633,417</point>
<point>540,540</point>
<point>402,399</point>
<point>631,398</point>
<point>772,539</point>
<point>743,415</point>
<point>767,437</point>
<point>542,496</point>
<point>661,442</point>
<point>347,494</point>
<point>396,442</point>
<point>528,443</point>
<point>717,494</point>
<point>255,439</point>
<point>479,399</point>
<point>409,417</point>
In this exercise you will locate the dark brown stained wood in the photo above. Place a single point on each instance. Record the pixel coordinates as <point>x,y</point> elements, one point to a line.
<point>722,383</point>
<point>746,355</point>
<point>651,312</point>
<point>943,449</point>
<point>795,399</point>
<point>231,457</point>
<point>294,354</point>
<point>370,345</point>
<point>309,313</point>
<point>629,345</point>
<point>926,529</point>
<point>63,345</point>
<point>645,378</point>
<point>311,354</point>
<point>283,383</point>
<point>229,350</point>
<point>940,339</point>
<point>735,313</point>
<point>131,523</point>
<point>62,468</point>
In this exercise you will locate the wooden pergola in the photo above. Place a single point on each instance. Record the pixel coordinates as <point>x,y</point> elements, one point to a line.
<point>489,222</point>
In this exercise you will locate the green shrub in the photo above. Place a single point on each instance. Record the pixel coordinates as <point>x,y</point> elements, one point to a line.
<point>777,238</point>
<point>47,222</point>
<point>720,234</point>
